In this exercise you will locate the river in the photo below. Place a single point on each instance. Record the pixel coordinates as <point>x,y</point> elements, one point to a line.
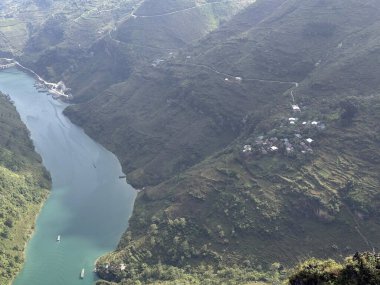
<point>89,206</point>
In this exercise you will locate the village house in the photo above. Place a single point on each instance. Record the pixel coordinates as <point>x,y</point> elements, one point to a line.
<point>247,148</point>
<point>296,108</point>
<point>274,148</point>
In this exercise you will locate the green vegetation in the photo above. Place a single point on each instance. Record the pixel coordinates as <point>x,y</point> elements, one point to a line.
<point>361,269</point>
<point>130,268</point>
<point>24,185</point>
<point>164,274</point>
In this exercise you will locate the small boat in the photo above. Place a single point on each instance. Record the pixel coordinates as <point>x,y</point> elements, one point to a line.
<point>82,273</point>
<point>58,238</point>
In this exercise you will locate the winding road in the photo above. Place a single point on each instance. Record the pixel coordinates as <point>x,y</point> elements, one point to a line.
<point>228,75</point>
<point>185,9</point>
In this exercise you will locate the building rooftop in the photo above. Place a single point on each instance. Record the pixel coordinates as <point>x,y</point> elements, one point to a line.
<point>296,108</point>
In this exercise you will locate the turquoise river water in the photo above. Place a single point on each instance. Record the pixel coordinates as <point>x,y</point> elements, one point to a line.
<point>89,205</point>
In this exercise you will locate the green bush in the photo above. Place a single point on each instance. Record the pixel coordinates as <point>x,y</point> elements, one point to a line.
<point>361,269</point>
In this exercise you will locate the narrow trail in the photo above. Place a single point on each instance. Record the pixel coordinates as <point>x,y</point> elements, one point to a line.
<point>236,76</point>
<point>183,10</point>
<point>137,45</point>
<point>296,84</point>
<point>231,76</point>
<point>95,11</point>
<point>357,228</point>
<point>138,5</point>
<point>134,15</point>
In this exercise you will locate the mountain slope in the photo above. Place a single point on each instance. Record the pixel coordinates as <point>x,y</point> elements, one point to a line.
<point>181,128</point>
<point>277,63</point>
<point>100,44</point>
<point>171,94</point>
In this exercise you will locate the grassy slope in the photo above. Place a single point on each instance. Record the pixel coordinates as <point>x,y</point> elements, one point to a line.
<point>261,208</point>
<point>24,185</point>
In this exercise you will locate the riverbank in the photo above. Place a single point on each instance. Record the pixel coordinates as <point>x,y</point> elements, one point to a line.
<point>23,191</point>
<point>29,227</point>
<point>57,90</point>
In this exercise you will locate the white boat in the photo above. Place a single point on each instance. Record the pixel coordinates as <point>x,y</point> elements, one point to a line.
<point>82,273</point>
<point>58,238</point>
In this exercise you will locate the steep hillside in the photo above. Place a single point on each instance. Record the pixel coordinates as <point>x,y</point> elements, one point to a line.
<point>184,85</point>
<point>35,26</point>
<point>146,39</point>
<point>60,33</point>
<point>193,103</point>
<point>233,173</point>
<point>94,45</point>
<point>24,185</point>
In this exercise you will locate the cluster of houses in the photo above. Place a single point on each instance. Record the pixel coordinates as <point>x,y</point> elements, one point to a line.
<point>7,65</point>
<point>298,138</point>
<point>55,89</point>
<point>306,124</point>
<point>288,146</point>
<point>158,61</point>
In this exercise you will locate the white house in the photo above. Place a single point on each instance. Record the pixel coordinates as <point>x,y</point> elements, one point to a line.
<point>247,148</point>
<point>296,108</point>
